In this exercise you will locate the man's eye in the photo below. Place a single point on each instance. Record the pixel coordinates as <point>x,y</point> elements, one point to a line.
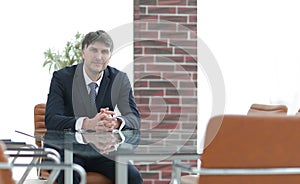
<point>93,50</point>
<point>105,52</point>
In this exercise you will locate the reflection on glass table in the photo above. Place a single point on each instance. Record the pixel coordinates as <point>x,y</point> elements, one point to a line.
<point>145,145</point>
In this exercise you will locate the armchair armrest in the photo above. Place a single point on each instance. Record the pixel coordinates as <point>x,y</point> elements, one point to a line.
<point>230,171</point>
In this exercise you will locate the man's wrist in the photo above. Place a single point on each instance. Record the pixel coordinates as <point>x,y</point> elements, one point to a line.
<point>121,123</point>
<point>85,124</point>
<point>79,123</point>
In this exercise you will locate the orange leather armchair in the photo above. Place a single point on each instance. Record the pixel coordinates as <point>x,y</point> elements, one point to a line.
<point>267,109</point>
<point>239,141</point>
<point>40,129</point>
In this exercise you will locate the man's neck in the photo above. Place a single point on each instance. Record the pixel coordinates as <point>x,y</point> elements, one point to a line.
<point>96,76</point>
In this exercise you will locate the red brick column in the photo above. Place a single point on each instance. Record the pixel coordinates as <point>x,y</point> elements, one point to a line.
<point>165,70</point>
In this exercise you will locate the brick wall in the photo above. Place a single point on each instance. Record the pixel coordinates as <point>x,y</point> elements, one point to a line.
<point>165,70</point>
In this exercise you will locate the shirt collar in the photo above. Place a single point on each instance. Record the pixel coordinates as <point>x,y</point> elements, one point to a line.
<point>88,80</point>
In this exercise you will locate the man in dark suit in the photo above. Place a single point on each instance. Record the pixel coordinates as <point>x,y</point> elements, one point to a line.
<point>84,96</point>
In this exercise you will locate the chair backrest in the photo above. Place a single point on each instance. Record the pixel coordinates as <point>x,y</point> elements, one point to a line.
<point>267,109</point>
<point>39,121</point>
<point>5,174</point>
<point>241,141</point>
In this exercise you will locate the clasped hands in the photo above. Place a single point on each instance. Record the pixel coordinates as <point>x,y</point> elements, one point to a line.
<point>102,121</point>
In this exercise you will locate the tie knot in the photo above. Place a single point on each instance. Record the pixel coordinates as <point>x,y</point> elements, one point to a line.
<point>93,85</point>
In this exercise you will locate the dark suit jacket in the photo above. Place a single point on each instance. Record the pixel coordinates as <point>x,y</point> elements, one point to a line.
<point>68,98</point>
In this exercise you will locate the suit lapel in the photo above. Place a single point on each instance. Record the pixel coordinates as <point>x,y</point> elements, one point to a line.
<point>102,89</point>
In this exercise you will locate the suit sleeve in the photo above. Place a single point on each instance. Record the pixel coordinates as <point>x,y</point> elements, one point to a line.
<point>56,116</point>
<point>126,102</point>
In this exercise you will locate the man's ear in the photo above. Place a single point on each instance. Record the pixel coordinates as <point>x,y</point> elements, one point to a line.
<point>82,53</point>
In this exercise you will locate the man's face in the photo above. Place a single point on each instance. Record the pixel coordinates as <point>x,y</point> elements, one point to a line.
<point>96,58</point>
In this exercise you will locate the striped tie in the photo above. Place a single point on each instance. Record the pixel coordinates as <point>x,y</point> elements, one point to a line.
<point>92,94</point>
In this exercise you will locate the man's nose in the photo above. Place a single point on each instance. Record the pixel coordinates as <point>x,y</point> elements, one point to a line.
<point>99,55</point>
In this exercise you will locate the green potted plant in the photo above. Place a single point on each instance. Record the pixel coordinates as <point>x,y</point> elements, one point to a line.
<point>71,54</point>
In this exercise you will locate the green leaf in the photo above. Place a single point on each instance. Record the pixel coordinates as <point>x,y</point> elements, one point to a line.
<point>71,54</point>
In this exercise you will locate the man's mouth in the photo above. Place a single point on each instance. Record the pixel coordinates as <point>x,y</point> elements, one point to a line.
<point>98,63</point>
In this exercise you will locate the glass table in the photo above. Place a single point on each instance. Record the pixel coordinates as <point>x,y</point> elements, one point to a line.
<point>144,145</point>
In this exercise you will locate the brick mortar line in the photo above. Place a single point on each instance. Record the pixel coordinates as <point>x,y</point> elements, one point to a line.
<point>164,55</point>
<point>168,6</point>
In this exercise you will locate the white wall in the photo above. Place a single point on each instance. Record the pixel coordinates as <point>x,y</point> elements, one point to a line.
<point>30,27</point>
<point>257,46</point>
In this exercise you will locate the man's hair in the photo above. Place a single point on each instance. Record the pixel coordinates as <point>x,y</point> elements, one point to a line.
<point>100,36</point>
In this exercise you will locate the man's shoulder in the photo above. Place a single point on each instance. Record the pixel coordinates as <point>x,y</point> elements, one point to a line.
<point>114,71</point>
<point>67,71</point>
